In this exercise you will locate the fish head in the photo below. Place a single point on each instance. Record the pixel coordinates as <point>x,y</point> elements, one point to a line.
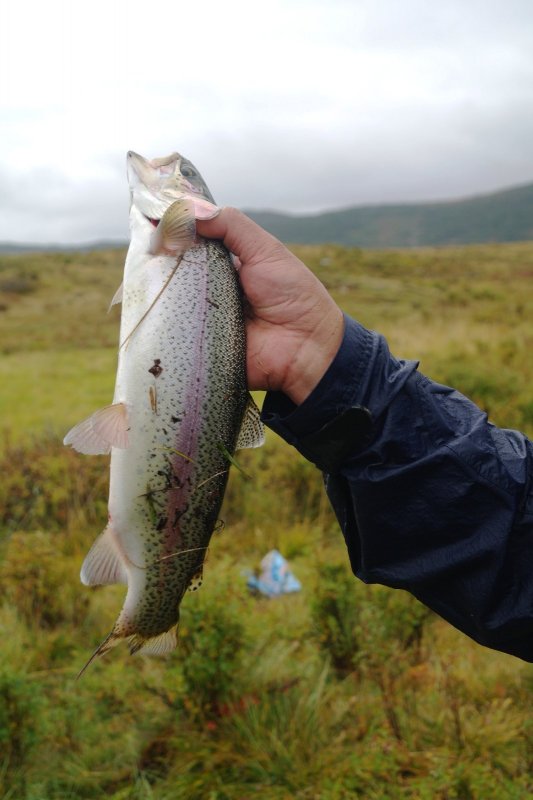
<point>181,176</point>
<point>156,184</point>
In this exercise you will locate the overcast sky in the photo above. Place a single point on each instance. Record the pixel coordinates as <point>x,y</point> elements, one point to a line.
<point>299,105</point>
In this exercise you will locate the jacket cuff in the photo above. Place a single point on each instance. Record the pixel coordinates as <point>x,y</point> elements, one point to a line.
<point>343,412</point>
<point>332,421</point>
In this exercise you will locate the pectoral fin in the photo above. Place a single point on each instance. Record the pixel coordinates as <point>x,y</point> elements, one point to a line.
<point>105,429</point>
<point>176,230</point>
<point>252,432</point>
<point>117,297</point>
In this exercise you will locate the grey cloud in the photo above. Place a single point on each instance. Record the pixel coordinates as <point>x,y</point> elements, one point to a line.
<point>466,130</point>
<point>419,155</point>
<point>47,207</point>
<point>291,171</point>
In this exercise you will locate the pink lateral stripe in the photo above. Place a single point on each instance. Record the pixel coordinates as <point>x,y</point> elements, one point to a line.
<point>187,439</point>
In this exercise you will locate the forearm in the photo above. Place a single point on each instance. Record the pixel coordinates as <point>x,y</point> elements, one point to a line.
<point>430,496</point>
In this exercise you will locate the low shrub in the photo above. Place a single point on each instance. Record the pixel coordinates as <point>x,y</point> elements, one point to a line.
<point>41,583</point>
<point>335,617</point>
<point>46,485</point>
<point>211,641</point>
<point>21,705</point>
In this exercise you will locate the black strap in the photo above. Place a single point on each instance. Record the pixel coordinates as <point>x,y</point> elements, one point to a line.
<point>339,439</point>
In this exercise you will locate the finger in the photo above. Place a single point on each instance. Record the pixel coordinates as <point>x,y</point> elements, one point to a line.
<point>240,235</point>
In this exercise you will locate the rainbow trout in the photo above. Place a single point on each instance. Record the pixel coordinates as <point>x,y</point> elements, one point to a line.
<point>181,406</point>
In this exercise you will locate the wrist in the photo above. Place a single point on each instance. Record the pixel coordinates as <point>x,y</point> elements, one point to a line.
<point>313,358</point>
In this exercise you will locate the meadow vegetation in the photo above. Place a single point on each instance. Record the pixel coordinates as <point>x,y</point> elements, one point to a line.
<point>340,691</point>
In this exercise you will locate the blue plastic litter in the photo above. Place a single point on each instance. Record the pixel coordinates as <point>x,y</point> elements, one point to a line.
<point>275,578</point>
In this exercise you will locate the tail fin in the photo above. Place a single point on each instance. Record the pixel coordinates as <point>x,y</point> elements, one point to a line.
<point>154,645</point>
<point>109,642</point>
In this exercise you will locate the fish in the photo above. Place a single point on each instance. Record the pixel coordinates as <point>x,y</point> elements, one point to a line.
<point>181,406</point>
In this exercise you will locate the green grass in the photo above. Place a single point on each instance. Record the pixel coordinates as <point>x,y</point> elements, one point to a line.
<point>48,391</point>
<point>337,692</point>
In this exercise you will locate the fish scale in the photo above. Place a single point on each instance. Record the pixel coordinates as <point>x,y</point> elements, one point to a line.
<point>180,408</point>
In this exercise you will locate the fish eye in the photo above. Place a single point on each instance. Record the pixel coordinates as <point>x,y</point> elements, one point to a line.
<point>187,172</point>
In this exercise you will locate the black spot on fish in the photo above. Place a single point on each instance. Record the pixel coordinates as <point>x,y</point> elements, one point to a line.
<point>156,369</point>
<point>179,513</point>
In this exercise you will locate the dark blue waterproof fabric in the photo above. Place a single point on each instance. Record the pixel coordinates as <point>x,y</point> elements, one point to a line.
<point>430,496</point>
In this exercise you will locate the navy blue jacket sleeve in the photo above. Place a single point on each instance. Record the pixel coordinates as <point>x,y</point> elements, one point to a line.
<point>430,496</point>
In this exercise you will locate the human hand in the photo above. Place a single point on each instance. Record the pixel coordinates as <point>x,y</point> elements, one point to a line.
<point>293,326</point>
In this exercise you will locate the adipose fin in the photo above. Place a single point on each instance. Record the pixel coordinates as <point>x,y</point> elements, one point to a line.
<point>252,432</point>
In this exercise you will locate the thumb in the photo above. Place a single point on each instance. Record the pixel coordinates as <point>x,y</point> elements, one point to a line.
<point>241,235</point>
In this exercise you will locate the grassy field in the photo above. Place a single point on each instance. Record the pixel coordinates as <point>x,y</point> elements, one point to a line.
<point>337,692</point>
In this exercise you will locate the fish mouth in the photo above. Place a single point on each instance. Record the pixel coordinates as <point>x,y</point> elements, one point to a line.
<point>151,172</point>
<point>140,171</point>
<point>168,174</point>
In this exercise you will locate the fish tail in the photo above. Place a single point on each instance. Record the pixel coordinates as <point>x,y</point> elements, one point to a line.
<point>110,641</point>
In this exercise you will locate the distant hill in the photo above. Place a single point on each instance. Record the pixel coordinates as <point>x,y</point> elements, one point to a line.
<point>12,248</point>
<point>504,216</point>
